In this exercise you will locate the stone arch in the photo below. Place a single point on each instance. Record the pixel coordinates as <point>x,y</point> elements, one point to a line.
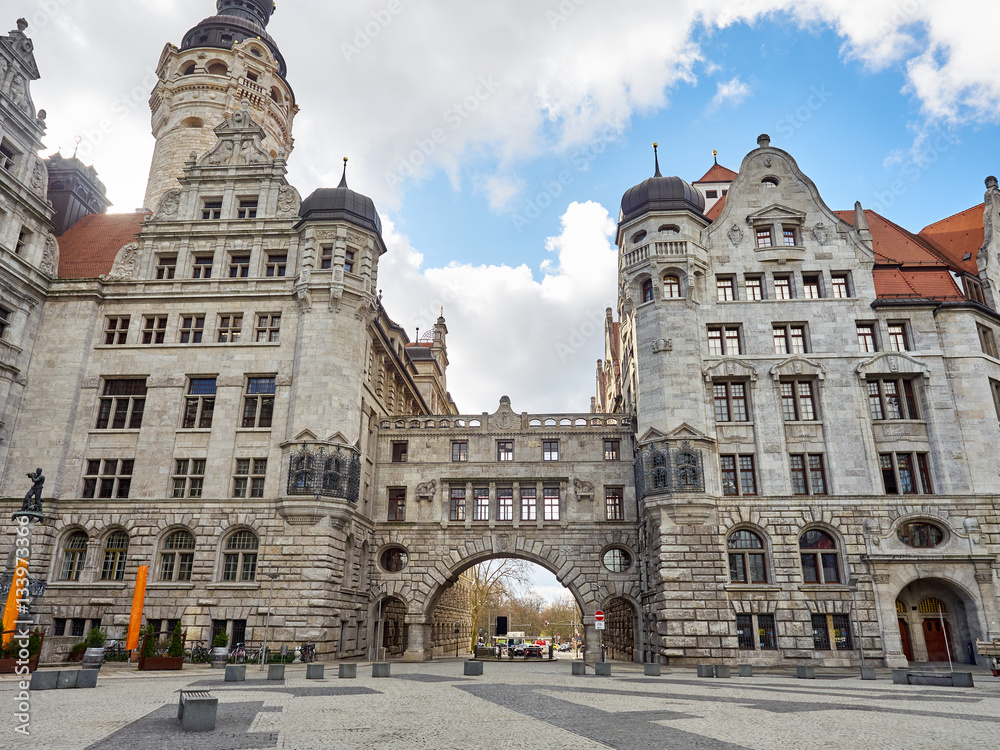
<point>963,615</point>
<point>620,636</point>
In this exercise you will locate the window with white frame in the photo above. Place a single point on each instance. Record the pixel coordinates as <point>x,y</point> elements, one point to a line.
<point>529,505</point>
<point>789,338</point>
<point>268,328</point>
<point>551,499</point>
<point>505,503</point>
<point>115,556</point>
<point>481,504</point>
<point>754,286</point>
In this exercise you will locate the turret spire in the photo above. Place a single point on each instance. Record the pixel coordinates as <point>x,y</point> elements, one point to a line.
<point>656,157</point>
<point>343,179</point>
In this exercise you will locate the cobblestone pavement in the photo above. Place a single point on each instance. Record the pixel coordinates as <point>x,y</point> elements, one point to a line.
<point>519,705</point>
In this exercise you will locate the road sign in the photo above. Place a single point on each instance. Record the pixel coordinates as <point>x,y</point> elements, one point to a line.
<point>599,625</point>
<point>599,616</point>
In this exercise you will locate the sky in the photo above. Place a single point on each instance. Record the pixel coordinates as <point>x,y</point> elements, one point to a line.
<point>497,138</point>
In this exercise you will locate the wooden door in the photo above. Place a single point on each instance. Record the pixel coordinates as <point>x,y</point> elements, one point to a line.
<point>934,639</point>
<point>904,636</point>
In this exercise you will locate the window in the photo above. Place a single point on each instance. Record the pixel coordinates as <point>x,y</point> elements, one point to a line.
<point>839,283</point>
<point>192,329</point>
<point>457,510</point>
<point>808,474</point>
<point>738,477</point>
<point>78,626</point>
<point>612,450</point>
<point>614,503</point>
<point>460,451</point>
<point>258,403</point>
<point>889,398</point>
<point>764,237</point>
<point>268,328</point>
<point>189,477</point>
<point>393,559</point>
<point>58,626</point>
<point>711,193</point>
<point>821,633</point>
<point>230,328</point>
<point>399,452</point>
<point>671,287</point>
<point>239,266</point>
<point>986,341</point>
<point>550,450</point>
<point>211,209</point>
<point>239,563</point>
<point>842,632</point>
<point>810,287</point>
<point>505,450</point>
<point>744,632</point>
<point>326,258</point>
<point>202,267</point>
<point>798,403</point>
<point>349,261</point>
<point>115,330</point>
<point>505,503</point>
<point>199,405</point>
<point>121,405</point>
<point>247,209</point>
<point>74,556</point>
<point>974,290</point>
<point>731,402</point>
<point>920,534</point>
<point>528,504</point>
<point>746,557</point>
<point>724,341</point>
<point>166,266</point>
<point>905,473</point>
<point>5,322</point>
<point>839,625</point>
<point>481,504</point>
<point>818,552</point>
<point>551,500</point>
<point>866,337</point>
<point>23,238</point>
<point>108,478</point>
<point>276,263</point>
<point>754,287</point>
<point>789,339</point>
<point>249,475</point>
<point>995,389</point>
<point>154,329</point>
<point>647,290</point>
<point>726,289</point>
<point>7,156</point>
<point>617,560</point>
<point>898,340</point>
<point>177,557</point>
<point>782,287</point>
<point>790,236</point>
<point>397,504</point>
<point>115,555</point>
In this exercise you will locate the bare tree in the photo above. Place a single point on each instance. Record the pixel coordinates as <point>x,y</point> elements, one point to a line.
<point>493,583</point>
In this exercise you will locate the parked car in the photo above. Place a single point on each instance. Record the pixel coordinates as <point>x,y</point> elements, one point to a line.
<point>532,650</point>
<point>518,649</point>
<point>565,647</point>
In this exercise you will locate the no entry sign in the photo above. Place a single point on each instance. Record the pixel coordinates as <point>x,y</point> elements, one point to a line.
<point>599,619</point>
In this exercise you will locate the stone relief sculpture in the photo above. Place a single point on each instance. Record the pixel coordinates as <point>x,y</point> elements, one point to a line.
<point>735,235</point>
<point>288,202</point>
<point>50,256</point>
<point>169,204</point>
<point>38,178</point>
<point>222,155</point>
<point>426,489</point>
<point>126,267</point>
<point>19,92</point>
<point>253,155</point>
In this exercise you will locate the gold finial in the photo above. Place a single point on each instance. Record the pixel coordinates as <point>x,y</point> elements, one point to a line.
<point>442,311</point>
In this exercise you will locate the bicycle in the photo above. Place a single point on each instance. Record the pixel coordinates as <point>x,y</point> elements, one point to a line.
<point>307,652</point>
<point>239,654</point>
<point>200,654</point>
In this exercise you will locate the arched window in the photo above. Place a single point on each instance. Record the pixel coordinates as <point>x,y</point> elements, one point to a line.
<point>218,69</point>
<point>671,287</point>
<point>189,69</point>
<point>747,557</point>
<point>659,471</point>
<point>647,290</point>
<point>177,556</point>
<point>932,606</point>
<point>74,556</point>
<point>920,534</point>
<point>240,560</point>
<point>819,555</point>
<point>115,554</point>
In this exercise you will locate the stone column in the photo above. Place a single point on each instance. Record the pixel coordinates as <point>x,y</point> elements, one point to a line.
<point>591,640</point>
<point>419,644</point>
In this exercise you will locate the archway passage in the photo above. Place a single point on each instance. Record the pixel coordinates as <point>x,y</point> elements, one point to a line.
<point>936,620</point>
<point>619,631</point>
<point>394,635</point>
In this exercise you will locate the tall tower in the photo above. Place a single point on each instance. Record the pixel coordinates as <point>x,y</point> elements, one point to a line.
<point>224,60</point>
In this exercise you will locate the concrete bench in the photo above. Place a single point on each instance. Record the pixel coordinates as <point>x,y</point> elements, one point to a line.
<point>706,670</point>
<point>54,679</point>
<point>745,670</point>
<point>236,672</point>
<point>197,710</point>
<point>805,673</point>
<point>939,679</point>
<point>579,668</point>
<point>380,669</point>
<point>723,670</point>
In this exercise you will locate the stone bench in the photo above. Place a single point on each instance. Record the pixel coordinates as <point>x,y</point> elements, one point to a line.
<point>940,679</point>
<point>55,679</point>
<point>197,710</point>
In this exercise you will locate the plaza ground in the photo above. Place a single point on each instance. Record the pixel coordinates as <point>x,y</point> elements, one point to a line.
<point>513,705</point>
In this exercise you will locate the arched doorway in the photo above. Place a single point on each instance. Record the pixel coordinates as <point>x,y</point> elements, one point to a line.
<point>391,628</point>
<point>934,621</point>
<point>619,632</point>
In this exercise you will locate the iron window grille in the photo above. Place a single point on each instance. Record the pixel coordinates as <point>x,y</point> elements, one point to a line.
<point>326,472</point>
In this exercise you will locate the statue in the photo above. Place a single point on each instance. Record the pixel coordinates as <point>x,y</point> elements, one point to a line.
<point>33,500</point>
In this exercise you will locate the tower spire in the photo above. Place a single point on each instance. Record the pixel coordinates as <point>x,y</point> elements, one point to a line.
<point>343,178</point>
<point>656,158</point>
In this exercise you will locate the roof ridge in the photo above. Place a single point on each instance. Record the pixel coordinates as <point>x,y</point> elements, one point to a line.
<point>981,207</point>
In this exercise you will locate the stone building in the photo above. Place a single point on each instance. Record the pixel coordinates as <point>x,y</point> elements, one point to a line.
<point>790,438</point>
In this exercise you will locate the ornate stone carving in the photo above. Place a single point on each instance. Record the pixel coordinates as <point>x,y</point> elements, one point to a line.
<point>170,203</point>
<point>663,345</point>
<point>894,362</point>
<point>427,489</point>
<point>735,235</point>
<point>38,178</point>
<point>19,92</point>
<point>730,368</point>
<point>984,577</point>
<point>795,366</point>
<point>357,239</point>
<point>583,489</point>
<point>882,578</point>
<point>288,202</point>
<point>221,155</point>
<point>50,256</point>
<point>251,154</point>
<point>821,233</point>
<point>503,543</point>
<point>126,266</point>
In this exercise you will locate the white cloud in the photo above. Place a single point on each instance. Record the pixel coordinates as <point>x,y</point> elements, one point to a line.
<point>731,92</point>
<point>501,190</point>
<point>535,340</point>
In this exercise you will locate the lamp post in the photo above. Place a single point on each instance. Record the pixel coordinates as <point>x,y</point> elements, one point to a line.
<point>267,621</point>
<point>378,589</point>
<point>866,674</point>
<point>458,638</point>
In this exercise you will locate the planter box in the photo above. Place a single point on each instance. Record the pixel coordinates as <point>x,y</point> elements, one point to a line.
<point>651,670</point>
<point>805,673</point>
<point>7,666</point>
<point>603,669</point>
<point>151,663</point>
<point>236,672</point>
<point>579,667</point>
<point>706,670</point>
<point>473,669</point>
<point>347,671</point>
<point>380,669</point>
<point>722,670</point>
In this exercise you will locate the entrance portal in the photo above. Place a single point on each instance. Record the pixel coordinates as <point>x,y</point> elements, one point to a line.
<point>619,632</point>
<point>393,627</point>
<point>934,621</point>
<point>937,640</point>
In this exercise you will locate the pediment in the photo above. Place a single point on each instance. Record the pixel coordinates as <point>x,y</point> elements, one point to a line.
<point>240,138</point>
<point>684,431</point>
<point>651,435</point>
<point>338,438</point>
<point>797,366</point>
<point>730,368</point>
<point>776,212</point>
<point>305,435</point>
<point>23,49</point>
<point>892,363</point>
<point>504,417</point>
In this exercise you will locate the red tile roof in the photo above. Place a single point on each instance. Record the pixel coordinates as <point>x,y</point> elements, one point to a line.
<point>713,213</point>
<point>89,248</point>
<point>718,173</point>
<point>915,283</point>
<point>892,243</point>
<point>958,236</point>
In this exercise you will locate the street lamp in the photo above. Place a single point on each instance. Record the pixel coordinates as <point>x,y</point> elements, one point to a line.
<point>378,589</point>
<point>853,584</point>
<point>458,639</point>
<point>267,621</point>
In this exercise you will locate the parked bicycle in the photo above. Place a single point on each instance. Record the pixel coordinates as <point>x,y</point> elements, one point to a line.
<point>199,654</point>
<point>307,652</point>
<point>238,655</point>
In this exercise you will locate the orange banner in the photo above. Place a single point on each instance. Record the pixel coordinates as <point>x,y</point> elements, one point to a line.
<point>10,612</point>
<point>135,620</point>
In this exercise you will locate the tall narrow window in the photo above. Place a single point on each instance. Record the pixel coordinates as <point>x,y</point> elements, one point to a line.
<point>74,556</point>
<point>192,329</point>
<point>731,402</point>
<point>115,330</point>
<point>820,560</point>
<point>898,340</point>
<point>614,503</point>
<point>199,406</point>
<point>738,475</point>
<point>528,504</point>
<point>122,405</point>
<point>268,328</point>
<point>754,287</point>
<point>481,504</point>
<point>746,557</point>
<point>841,287</point>
<point>505,450</point>
<point>23,238</point>
<point>987,341</point>
<point>866,337</point>
<point>5,316</point>
<point>460,451</point>
<point>505,503</point>
<point>810,286</point>
<point>397,504</point>
<point>249,476</point>
<point>326,257</point>
<point>821,633</point>
<point>550,450</point>
<point>782,287</point>
<point>457,511</point>
<point>551,495</point>
<point>7,156</point>
<point>349,261</point>
<point>258,402</point>
<point>790,236</point>
<point>671,287</point>
<point>647,290</point>
<point>115,556</point>
<point>239,563</point>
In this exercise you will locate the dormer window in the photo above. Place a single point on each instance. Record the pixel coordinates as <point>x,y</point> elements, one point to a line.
<point>711,193</point>
<point>764,237</point>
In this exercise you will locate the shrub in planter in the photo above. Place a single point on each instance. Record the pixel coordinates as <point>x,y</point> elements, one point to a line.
<point>176,643</point>
<point>10,655</point>
<point>96,638</point>
<point>93,657</point>
<point>220,650</point>
<point>221,640</point>
<point>149,642</point>
<point>76,651</point>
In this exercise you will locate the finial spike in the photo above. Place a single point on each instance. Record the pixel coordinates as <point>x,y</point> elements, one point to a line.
<point>715,155</point>
<point>656,157</point>
<point>343,179</point>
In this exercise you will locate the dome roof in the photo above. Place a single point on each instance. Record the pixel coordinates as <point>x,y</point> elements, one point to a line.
<point>341,203</point>
<point>660,193</point>
<point>235,23</point>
